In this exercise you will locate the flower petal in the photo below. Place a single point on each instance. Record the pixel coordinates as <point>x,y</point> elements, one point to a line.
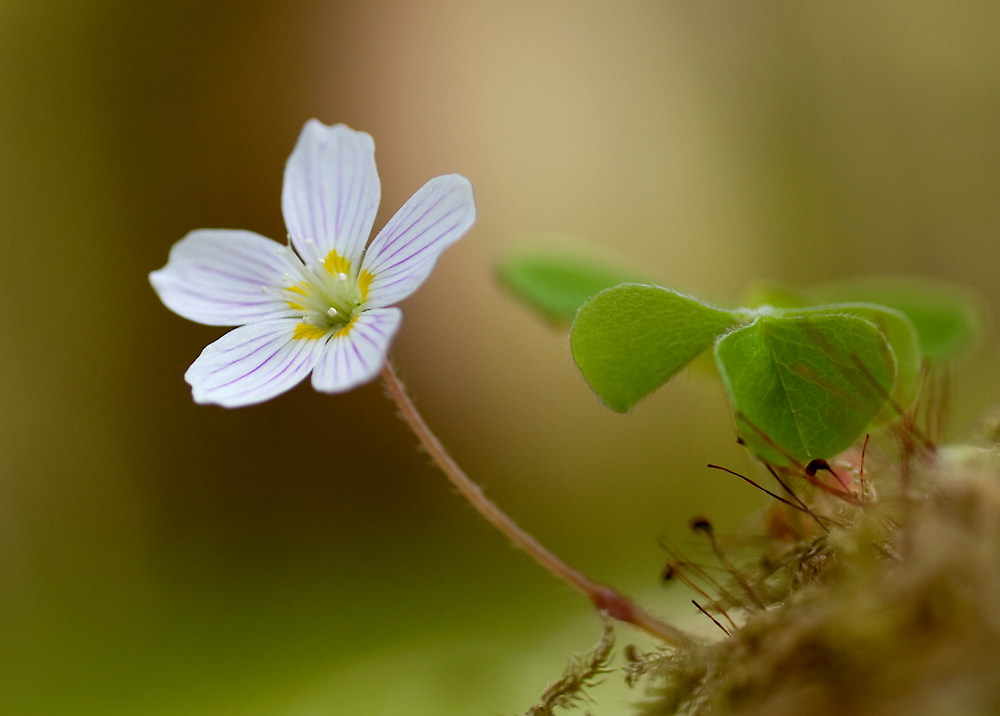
<point>331,192</point>
<point>356,358</point>
<point>252,364</point>
<point>404,252</point>
<point>215,277</point>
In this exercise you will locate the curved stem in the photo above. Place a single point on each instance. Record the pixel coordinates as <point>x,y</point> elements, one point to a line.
<point>603,597</point>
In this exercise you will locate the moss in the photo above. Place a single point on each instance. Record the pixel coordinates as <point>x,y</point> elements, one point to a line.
<point>894,611</point>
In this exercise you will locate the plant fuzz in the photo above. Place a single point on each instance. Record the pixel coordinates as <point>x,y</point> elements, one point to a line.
<point>581,674</point>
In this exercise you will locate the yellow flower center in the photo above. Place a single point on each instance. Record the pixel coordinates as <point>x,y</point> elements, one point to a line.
<point>328,293</point>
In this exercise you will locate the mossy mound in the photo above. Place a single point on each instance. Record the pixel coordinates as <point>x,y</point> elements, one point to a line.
<point>895,609</point>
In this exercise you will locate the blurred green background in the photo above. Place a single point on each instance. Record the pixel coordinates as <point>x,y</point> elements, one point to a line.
<point>302,557</point>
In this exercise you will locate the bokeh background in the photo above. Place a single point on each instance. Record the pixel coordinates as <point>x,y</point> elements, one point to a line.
<point>302,557</point>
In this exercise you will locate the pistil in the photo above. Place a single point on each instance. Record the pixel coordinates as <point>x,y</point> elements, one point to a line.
<point>327,297</point>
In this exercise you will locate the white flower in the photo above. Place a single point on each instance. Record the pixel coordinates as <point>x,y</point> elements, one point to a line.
<point>325,307</point>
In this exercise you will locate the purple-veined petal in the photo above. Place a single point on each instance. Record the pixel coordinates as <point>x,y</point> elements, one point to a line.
<point>331,192</point>
<point>216,276</point>
<point>357,357</point>
<point>404,252</point>
<point>252,364</point>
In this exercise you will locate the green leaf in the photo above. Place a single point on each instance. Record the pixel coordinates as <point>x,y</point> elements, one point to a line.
<point>796,386</point>
<point>556,286</point>
<point>630,339</point>
<point>947,319</point>
<point>901,335</point>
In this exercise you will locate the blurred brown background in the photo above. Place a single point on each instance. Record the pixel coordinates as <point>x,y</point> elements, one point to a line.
<point>301,557</point>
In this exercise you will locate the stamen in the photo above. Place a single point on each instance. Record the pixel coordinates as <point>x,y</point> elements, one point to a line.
<point>291,261</point>
<point>318,286</point>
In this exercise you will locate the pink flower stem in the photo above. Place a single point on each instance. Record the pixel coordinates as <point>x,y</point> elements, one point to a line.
<point>603,597</point>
